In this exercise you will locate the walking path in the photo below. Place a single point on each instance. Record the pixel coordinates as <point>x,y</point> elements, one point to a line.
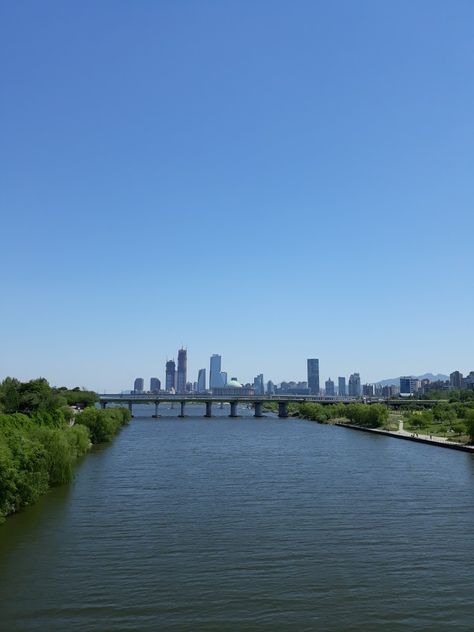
<point>411,436</point>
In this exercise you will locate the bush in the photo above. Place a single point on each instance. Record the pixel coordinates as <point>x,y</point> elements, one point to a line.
<point>421,419</point>
<point>103,424</point>
<point>313,411</point>
<point>79,440</point>
<point>470,425</point>
<point>367,416</point>
<point>37,444</point>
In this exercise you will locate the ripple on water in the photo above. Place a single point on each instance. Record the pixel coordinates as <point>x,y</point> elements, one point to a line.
<point>246,525</point>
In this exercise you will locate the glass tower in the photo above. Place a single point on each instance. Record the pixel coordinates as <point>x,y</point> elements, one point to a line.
<point>313,376</point>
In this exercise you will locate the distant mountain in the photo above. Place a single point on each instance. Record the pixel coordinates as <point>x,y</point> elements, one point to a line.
<point>395,381</point>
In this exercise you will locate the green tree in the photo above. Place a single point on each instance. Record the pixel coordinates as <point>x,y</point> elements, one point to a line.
<point>469,420</point>
<point>10,395</point>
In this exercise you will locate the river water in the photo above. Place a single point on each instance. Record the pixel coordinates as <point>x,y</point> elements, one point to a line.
<point>242,525</point>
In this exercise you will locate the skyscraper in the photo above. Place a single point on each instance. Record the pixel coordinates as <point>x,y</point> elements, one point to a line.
<point>215,380</point>
<point>329,388</point>
<point>182,371</point>
<point>270,388</point>
<point>408,385</point>
<point>341,386</point>
<point>455,380</point>
<point>155,385</point>
<point>170,375</point>
<point>201,383</point>
<point>368,390</point>
<point>138,385</point>
<point>313,375</point>
<point>354,385</point>
<point>258,384</point>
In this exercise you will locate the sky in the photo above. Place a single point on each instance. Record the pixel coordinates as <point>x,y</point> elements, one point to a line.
<point>267,180</point>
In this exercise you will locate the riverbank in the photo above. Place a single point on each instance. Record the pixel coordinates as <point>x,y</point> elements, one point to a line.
<point>38,448</point>
<point>407,436</point>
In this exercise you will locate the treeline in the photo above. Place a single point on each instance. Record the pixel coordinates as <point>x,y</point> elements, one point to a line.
<point>451,395</point>
<point>41,436</point>
<point>368,416</point>
<point>454,417</point>
<point>38,395</point>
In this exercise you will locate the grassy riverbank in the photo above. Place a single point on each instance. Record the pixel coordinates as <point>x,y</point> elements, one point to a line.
<point>451,419</point>
<point>41,436</point>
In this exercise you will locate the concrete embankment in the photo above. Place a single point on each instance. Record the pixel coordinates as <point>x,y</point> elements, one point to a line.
<point>442,443</point>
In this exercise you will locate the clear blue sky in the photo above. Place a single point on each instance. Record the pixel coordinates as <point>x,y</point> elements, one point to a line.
<point>266,180</point>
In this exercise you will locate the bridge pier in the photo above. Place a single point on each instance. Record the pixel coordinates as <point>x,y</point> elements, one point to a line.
<point>208,409</point>
<point>283,409</point>
<point>183,405</point>
<point>103,405</point>
<point>258,409</point>
<point>156,415</point>
<point>130,408</point>
<point>233,409</point>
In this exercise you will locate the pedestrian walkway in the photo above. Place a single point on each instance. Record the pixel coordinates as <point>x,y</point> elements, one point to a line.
<point>412,436</point>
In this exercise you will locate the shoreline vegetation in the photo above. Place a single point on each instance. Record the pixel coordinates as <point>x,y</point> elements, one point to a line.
<point>43,431</point>
<point>450,420</point>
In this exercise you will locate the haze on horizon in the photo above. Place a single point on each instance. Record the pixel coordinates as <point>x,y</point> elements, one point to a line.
<point>268,181</point>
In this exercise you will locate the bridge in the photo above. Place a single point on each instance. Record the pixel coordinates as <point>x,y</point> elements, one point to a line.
<point>257,401</point>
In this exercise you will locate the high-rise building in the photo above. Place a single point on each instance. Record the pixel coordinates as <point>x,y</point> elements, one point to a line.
<point>223,378</point>
<point>270,388</point>
<point>201,383</point>
<point>468,381</point>
<point>408,385</point>
<point>138,385</point>
<point>456,380</point>
<point>155,385</point>
<point>368,390</point>
<point>182,371</point>
<point>329,387</point>
<point>170,382</point>
<point>341,386</point>
<point>215,380</point>
<point>313,375</point>
<point>258,385</point>
<point>354,385</point>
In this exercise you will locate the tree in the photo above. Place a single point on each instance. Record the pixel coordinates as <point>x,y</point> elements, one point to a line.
<point>470,425</point>
<point>10,395</point>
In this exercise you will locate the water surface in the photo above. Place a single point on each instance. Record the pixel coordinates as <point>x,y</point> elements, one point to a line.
<point>247,524</point>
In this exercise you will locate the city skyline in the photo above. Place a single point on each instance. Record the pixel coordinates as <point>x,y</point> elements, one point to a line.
<point>245,375</point>
<point>350,384</point>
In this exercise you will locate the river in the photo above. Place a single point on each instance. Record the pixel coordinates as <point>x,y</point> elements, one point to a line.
<point>246,524</point>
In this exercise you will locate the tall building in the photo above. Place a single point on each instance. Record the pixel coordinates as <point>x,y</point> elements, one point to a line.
<point>223,378</point>
<point>215,380</point>
<point>408,385</point>
<point>170,382</point>
<point>258,385</point>
<point>201,383</point>
<point>182,371</point>
<point>313,375</point>
<point>468,381</point>
<point>368,390</point>
<point>341,387</point>
<point>456,380</point>
<point>329,386</point>
<point>155,385</point>
<point>138,385</point>
<point>354,385</point>
<point>270,388</point>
